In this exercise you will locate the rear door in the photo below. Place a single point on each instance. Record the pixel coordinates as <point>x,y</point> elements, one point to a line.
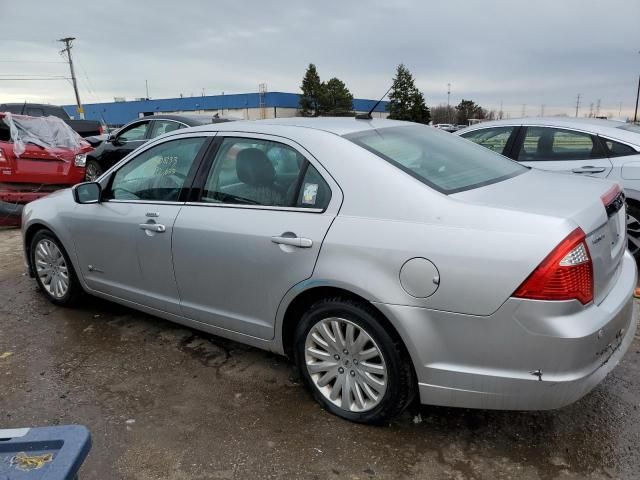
<point>563,150</point>
<point>254,230</point>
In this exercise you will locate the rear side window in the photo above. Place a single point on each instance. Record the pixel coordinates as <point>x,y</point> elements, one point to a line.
<point>492,138</point>
<point>555,144</point>
<point>617,149</point>
<point>161,127</point>
<point>250,171</point>
<point>438,159</point>
<point>35,112</point>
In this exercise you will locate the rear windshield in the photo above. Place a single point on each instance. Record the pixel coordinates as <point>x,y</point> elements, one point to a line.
<point>630,127</point>
<point>441,160</point>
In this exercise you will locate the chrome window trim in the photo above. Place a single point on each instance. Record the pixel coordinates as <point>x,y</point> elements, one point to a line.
<point>156,202</point>
<point>256,207</point>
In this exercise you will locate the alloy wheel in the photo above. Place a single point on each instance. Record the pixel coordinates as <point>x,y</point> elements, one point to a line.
<point>51,268</point>
<point>91,172</point>
<point>633,234</point>
<point>345,364</point>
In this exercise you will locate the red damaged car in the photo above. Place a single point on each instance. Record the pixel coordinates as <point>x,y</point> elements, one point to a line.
<point>38,155</point>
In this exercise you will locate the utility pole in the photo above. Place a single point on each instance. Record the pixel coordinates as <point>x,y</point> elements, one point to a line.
<point>448,103</point>
<point>67,49</point>
<point>577,105</point>
<point>635,115</point>
<point>146,87</point>
<point>500,113</point>
<point>598,108</point>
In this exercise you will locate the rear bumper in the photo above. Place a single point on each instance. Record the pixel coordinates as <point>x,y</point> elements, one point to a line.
<point>18,197</point>
<point>493,362</point>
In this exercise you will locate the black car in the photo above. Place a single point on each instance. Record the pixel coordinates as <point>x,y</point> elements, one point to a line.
<point>136,133</point>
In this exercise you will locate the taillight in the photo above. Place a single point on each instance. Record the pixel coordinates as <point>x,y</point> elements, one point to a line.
<point>566,273</point>
<point>610,195</point>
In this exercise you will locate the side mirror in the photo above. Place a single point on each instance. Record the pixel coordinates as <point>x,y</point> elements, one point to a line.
<point>89,192</point>
<point>113,138</point>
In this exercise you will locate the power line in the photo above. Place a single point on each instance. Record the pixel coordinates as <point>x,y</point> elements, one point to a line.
<point>34,79</point>
<point>31,61</point>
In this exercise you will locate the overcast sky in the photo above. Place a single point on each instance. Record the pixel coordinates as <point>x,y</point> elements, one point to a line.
<point>491,51</point>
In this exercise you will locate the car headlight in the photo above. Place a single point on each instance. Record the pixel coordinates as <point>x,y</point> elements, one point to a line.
<point>80,160</point>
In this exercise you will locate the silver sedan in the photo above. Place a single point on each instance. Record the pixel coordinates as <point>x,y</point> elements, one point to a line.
<point>391,261</point>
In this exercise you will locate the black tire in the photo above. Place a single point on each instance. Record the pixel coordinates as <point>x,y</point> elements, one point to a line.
<point>633,229</point>
<point>401,384</point>
<point>74,290</point>
<point>92,170</point>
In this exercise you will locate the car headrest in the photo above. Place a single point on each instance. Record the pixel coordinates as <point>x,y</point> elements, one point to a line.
<point>545,144</point>
<point>254,168</point>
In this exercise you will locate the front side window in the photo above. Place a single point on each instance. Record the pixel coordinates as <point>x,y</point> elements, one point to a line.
<point>157,174</point>
<point>440,160</point>
<point>134,132</point>
<point>617,149</point>
<point>492,138</point>
<point>554,144</point>
<point>161,127</point>
<point>261,172</point>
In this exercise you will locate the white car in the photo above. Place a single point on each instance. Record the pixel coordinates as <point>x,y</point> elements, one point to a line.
<point>593,147</point>
<point>447,127</point>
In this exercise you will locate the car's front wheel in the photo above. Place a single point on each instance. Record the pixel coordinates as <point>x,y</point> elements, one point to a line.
<point>353,366</point>
<point>53,270</point>
<point>633,229</point>
<point>92,170</point>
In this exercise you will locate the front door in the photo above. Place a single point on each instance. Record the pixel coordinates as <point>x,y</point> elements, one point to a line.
<point>562,150</point>
<point>125,142</point>
<point>253,233</point>
<point>124,242</point>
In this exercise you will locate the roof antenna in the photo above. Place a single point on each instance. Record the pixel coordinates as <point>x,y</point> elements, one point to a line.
<point>367,116</point>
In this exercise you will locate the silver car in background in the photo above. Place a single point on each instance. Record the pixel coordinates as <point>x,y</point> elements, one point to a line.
<point>584,146</point>
<point>391,261</point>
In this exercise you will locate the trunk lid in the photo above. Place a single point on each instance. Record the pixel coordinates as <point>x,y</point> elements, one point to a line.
<point>35,164</point>
<point>579,199</point>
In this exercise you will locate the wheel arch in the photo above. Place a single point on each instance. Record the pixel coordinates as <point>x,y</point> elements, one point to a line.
<point>307,297</point>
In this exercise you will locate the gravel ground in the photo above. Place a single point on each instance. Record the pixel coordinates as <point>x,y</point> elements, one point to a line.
<point>166,402</point>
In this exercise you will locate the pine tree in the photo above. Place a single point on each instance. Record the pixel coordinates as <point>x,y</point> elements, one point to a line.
<point>311,92</point>
<point>468,109</point>
<point>335,99</point>
<point>406,102</point>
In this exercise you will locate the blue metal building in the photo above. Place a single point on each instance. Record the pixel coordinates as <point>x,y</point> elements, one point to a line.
<point>243,105</point>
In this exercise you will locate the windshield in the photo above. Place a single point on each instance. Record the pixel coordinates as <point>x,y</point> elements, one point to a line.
<point>441,160</point>
<point>630,127</point>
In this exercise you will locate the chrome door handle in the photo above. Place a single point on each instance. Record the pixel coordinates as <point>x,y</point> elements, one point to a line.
<point>293,241</point>
<point>588,169</point>
<point>153,227</point>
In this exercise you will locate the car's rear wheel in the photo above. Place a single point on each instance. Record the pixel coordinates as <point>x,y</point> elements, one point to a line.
<point>351,363</point>
<point>92,171</point>
<point>53,270</point>
<point>633,229</point>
